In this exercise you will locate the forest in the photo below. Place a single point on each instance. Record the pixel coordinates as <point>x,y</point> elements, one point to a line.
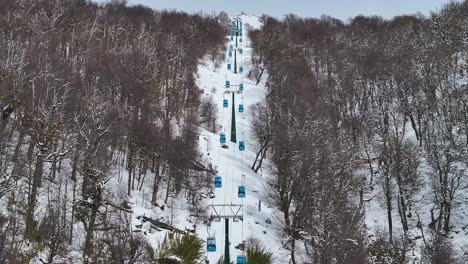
<point>363,132</point>
<point>366,114</point>
<point>84,89</point>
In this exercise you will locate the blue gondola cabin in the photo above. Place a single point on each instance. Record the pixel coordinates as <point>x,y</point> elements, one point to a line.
<point>241,87</point>
<point>241,145</point>
<point>241,192</point>
<point>230,54</point>
<point>241,259</point>
<point>241,69</point>
<point>211,244</point>
<point>218,183</point>
<point>222,138</point>
<point>228,84</point>
<point>240,51</point>
<point>229,66</point>
<point>240,40</point>
<point>225,103</point>
<point>241,108</point>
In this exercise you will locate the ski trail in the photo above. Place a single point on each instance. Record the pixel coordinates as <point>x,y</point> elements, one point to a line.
<point>232,163</point>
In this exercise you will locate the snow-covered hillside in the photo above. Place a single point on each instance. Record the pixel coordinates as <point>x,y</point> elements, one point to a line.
<point>234,168</point>
<point>230,163</point>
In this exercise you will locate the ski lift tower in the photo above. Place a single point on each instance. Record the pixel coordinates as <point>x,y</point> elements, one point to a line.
<point>226,212</point>
<point>233,122</point>
<point>237,29</point>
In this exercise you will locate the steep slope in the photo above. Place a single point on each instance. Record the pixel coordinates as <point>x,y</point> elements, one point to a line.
<point>231,165</point>
<point>406,136</point>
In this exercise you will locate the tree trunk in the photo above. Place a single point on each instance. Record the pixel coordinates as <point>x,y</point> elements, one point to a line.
<point>73,178</point>
<point>16,152</point>
<point>36,183</point>
<point>293,253</point>
<point>389,207</point>
<point>402,210</point>
<point>262,69</point>
<point>53,168</point>
<point>386,156</point>
<point>130,170</point>
<point>157,180</point>
<point>256,158</point>
<point>262,157</point>
<point>88,246</point>
<point>167,190</point>
<point>414,126</point>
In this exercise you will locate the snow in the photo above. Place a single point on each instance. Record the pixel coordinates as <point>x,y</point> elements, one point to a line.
<point>231,165</point>
<point>422,202</point>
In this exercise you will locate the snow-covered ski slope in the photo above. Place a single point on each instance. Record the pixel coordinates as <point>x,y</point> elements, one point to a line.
<point>230,163</point>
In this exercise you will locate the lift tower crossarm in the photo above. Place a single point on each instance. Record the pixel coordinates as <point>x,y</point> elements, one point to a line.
<point>226,212</point>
